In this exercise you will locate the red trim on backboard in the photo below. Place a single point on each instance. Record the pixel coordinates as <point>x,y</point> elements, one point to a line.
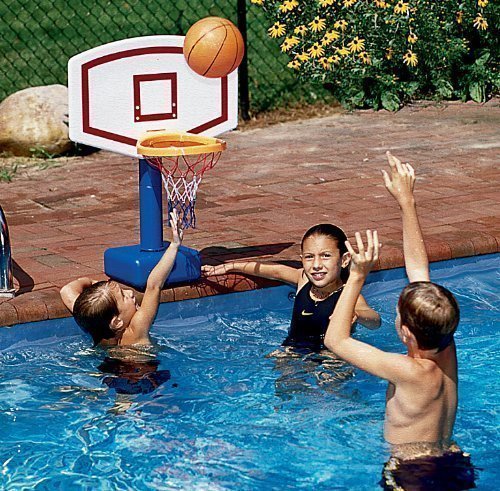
<point>86,67</point>
<point>138,79</point>
<point>222,117</point>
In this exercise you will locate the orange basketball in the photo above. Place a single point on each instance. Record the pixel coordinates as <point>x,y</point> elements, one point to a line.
<point>213,47</point>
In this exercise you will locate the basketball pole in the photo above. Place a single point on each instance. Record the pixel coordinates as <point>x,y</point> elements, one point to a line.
<point>132,264</point>
<point>150,207</point>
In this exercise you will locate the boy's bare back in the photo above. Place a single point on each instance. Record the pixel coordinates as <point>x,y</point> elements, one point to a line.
<point>421,398</point>
<point>423,409</point>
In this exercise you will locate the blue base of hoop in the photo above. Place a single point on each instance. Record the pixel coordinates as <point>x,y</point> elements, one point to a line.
<point>131,265</point>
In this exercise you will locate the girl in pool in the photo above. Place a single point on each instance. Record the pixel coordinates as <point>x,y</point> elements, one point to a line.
<point>325,262</point>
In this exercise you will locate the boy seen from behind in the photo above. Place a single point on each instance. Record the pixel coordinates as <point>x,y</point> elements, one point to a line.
<point>421,400</point>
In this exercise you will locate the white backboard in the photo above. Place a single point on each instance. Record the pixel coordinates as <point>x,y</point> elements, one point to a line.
<point>122,89</point>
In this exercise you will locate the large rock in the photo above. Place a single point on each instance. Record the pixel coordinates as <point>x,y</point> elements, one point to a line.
<point>35,120</point>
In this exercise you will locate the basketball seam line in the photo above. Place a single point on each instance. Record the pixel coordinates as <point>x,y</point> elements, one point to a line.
<point>237,47</point>
<point>220,49</point>
<point>199,39</point>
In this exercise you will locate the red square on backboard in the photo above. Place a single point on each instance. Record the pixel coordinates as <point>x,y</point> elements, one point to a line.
<point>155,97</point>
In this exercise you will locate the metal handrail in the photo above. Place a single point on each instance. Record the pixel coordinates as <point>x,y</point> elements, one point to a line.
<point>6,276</point>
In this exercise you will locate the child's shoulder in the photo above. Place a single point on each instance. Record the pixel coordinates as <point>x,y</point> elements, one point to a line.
<point>424,372</point>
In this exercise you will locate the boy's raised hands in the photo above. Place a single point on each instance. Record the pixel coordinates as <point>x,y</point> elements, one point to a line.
<point>363,261</point>
<point>401,181</point>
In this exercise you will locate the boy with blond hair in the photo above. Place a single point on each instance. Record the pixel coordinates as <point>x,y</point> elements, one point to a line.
<point>421,400</point>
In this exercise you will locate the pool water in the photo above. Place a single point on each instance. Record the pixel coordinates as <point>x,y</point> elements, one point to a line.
<point>215,412</point>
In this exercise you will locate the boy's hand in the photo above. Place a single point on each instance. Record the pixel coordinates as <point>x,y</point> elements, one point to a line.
<point>363,260</point>
<point>177,232</point>
<point>401,181</point>
<point>217,270</point>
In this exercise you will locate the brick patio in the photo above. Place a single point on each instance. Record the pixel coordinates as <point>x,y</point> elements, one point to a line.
<point>269,187</point>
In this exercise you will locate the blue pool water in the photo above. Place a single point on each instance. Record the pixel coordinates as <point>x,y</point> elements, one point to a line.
<point>224,415</point>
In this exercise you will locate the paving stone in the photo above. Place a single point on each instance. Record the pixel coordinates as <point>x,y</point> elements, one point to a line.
<point>270,186</point>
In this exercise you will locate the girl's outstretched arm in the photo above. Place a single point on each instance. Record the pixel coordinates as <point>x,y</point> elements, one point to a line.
<point>271,271</point>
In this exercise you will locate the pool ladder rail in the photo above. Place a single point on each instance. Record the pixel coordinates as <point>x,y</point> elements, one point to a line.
<point>6,276</point>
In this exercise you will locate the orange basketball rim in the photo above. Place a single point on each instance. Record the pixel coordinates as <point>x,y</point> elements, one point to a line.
<point>182,159</point>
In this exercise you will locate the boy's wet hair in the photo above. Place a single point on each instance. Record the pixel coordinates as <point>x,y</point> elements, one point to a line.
<point>430,312</point>
<point>94,309</point>
<point>335,233</point>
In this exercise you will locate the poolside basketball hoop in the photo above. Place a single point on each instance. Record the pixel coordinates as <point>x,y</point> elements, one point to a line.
<point>182,159</point>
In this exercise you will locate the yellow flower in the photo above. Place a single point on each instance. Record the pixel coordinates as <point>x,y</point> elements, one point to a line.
<point>389,53</point>
<point>412,38</point>
<point>317,24</point>
<point>316,50</point>
<point>277,30</point>
<point>480,23</point>
<point>329,37</point>
<point>334,59</point>
<point>302,56</point>
<point>340,24</point>
<point>342,51</point>
<point>401,7</point>
<point>356,45</point>
<point>365,57</point>
<point>349,3</point>
<point>410,58</point>
<point>289,43</point>
<point>295,64</point>
<point>257,2</point>
<point>460,16</point>
<point>300,30</point>
<point>288,5</point>
<point>381,4</point>
<point>325,3</point>
<point>286,45</point>
<point>324,63</point>
<point>482,3</point>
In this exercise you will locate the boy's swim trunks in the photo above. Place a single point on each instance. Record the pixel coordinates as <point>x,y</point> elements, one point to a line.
<point>310,320</point>
<point>452,471</point>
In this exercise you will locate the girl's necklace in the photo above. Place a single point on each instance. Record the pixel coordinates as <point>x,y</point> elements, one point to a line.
<point>320,295</point>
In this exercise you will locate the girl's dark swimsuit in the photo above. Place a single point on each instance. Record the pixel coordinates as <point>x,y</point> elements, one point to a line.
<point>310,320</point>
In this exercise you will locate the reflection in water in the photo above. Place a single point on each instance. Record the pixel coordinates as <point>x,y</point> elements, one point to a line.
<point>133,377</point>
<point>131,371</point>
<point>304,371</point>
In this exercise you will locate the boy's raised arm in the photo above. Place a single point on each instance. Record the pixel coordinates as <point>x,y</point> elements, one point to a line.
<point>142,320</point>
<point>400,184</point>
<point>71,291</point>
<point>338,335</point>
<point>389,366</point>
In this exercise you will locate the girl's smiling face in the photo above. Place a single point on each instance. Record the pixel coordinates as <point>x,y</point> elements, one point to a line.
<point>322,261</point>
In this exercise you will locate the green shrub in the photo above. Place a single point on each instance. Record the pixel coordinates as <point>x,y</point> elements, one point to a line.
<point>381,54</point>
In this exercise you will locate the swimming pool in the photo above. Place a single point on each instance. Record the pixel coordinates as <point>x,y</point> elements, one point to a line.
<point>224,415</point>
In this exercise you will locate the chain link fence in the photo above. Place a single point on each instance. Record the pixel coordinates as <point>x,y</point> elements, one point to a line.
<point>37,37</point>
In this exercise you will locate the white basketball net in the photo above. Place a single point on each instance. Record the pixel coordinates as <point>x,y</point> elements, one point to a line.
<point>181,178</point>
